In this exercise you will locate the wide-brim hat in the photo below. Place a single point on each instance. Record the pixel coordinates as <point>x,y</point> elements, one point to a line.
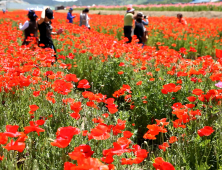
<point>131,10</point>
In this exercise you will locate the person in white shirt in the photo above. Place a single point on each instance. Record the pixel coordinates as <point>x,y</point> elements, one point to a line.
<point>30,28</point>
<point>84,19</point>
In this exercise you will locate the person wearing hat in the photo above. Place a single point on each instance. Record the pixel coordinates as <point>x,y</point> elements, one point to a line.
<point>45,29</point>
<point>139,29</point>
<point>30,28</point>
<point>69,16</point>
<point>128,24</point>
<point>145,20</point>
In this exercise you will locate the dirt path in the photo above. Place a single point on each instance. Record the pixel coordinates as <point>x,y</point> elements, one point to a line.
<point>208,14</point>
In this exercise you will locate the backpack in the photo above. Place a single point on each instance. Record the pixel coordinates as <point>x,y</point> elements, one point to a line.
<point>83,19</point>
<point>145,37</point>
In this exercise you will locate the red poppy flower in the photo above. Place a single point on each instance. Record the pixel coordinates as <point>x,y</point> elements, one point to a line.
<point>33,108</point>
<point>81,152</point>
<point>76,107</point>
<point>111,167</point>
<point>91,104</point>
<point>149,136</point>
<point>128,98</point>
<point>22,137</point>
<point>40,122</point>
<point>194,113</point>
<point>108,159</point>
<point>171,87</point>
<point>116,150</point>
<point>84,132</point>
<point>89,95</point>
<point>100,132</point>
<point>67,132</point>
<point>197,92</point>
<point>62,87</point>
<point>83,84</point>
<point>69,166</point>
<point>33,128</point>
<point>173,139</point>
<point>164,146</point>
<point>160,164</point>
<point>121,64</point>
<point>91,163</point>
<point>61,142</point>
<point>120,72</point>
<point>75,115</point>
<point>109,101</point>
<point>162,122</point>
<point>191,98</point>
<point>219,53</point>
<point>71,77</point>
<point>36,93</point>
<point>105,115</point>
<point>18,146</point>
<point>124,141</point>
<point>97,120</point>
<point>1,157</point>
<point>177,106</point>
<point>126,161</point>
<point>121,124</point>
<point>68,100</point>
<point>3,139</point>
<point>206,131</point>
<point>190,106</point>
<point>11,131</point>
<point>139,83</point>
<point>127,134</point>
<point>155,129</point>
<point>112,108</point>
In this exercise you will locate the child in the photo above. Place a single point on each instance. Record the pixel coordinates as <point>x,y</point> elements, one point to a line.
<point>181,19</point>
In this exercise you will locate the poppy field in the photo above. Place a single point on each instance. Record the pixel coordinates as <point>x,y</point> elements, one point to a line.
<point>106,105</point>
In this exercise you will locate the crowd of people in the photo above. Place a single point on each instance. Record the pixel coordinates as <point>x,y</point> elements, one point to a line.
<point>43,24</point>
<point>139,27</point>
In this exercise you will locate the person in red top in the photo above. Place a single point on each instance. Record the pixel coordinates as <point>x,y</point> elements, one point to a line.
<point>181,19</point>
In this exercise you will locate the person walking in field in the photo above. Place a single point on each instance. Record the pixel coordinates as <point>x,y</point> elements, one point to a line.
<point>181,19</point>
<point>128,24</point>
<point>84,19</point>
<point>139,29</point>
<point>69,16</point>
<point>145,22</point>
<point>30,28</point>
<point>45,29</point>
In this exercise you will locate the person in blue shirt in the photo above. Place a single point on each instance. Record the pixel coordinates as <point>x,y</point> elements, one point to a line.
<point>69,16</point>
<point>146,22</point>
